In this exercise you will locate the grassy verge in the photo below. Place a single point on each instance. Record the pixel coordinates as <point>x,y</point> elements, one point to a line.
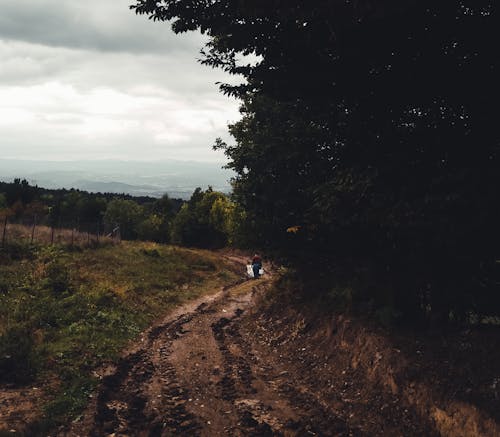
<point>65,312</point>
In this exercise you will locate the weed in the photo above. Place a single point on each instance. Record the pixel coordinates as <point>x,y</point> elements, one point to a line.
<point>4,286</point>
<point>57,278</point>
<point>16,250</point>
<point>17,356</point>
<point>151,252</point>
<point>224,275</point>
<point>69,401</point>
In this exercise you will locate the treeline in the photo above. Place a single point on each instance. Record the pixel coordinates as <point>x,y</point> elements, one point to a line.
<point>367,155</point>
<point>206,220</point>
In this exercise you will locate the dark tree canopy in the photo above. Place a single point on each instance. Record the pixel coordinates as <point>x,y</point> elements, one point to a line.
<point>369,129</point>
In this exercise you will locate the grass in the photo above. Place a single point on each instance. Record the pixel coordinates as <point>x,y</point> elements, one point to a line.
<point>64,312</point>
<point>45,235</point>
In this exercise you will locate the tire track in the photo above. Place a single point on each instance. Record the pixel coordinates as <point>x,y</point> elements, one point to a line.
<point>124,403</point>
<point>255,417</point>
<point>213,368</point>
<point>197,374</point>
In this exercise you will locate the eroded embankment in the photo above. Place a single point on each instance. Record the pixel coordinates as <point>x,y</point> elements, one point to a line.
<point>387,384</point>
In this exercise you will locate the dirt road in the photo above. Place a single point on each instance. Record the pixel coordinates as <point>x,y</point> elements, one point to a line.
<point>195,374</point>
<point>205,371</point>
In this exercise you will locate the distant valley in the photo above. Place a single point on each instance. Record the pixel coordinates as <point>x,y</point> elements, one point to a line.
<point>176,178</point>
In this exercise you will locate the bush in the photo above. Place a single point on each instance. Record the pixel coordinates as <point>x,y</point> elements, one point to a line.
<point>16,250</point>
<point>57,278</point>
<point>4,286</point>
<point>17,356</point>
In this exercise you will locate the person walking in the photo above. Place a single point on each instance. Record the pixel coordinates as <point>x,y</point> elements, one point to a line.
<point>256,265</point>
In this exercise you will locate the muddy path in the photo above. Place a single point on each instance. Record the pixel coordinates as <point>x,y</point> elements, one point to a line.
<point>202,372</point>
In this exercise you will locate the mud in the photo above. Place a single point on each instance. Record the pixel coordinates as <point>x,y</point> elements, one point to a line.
<point>224,366</point>
<point>215,368</point>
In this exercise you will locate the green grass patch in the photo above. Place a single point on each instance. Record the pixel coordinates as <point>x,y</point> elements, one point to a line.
<point>63,313</point>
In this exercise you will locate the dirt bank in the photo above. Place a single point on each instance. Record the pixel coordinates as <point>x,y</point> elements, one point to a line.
<point>383,382</point>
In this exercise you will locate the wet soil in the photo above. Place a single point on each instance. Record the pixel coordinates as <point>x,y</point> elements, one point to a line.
<point>230,364</point>
<point>215,368</point>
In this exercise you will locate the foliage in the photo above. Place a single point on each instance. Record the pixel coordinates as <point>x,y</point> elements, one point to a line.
<point>57,279</point>
<point>17,356</point>
<point>125,213</point>
<point>206,220</point>
<point>209,220</point>
<point>19,190</point>
<point>150,229</point>
<point>370,129</point>
<point>158,217</point>
<point>142,218</point>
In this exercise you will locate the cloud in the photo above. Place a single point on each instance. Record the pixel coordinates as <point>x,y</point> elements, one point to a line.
<point>103,122</point>
<point>103,25</point>
<point>92,80</point>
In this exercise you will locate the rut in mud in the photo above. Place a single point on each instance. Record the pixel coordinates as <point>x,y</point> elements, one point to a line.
<point>203,372</point>
<point>196,375</point>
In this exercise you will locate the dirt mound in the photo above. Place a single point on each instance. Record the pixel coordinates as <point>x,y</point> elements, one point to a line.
<point>388,384</point>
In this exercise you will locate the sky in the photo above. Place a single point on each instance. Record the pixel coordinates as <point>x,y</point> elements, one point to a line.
<point>91,80</point>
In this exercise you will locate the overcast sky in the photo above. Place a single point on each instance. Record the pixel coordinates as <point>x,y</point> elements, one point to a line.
<point>91,80</point>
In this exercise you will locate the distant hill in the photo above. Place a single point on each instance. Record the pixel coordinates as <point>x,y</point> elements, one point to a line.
<point>176,178</point>
<point>117,187</point>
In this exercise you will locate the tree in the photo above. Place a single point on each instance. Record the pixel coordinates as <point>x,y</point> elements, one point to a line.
<point>91,209</point>
<point>19,190</point>
<point>125,213</point>
<point>149,229</point>
<point>159,215</point>
<point>204,221</point>
<point>369,128</point>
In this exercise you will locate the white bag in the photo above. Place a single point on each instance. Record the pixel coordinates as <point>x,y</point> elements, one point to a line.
<point>249,271</point>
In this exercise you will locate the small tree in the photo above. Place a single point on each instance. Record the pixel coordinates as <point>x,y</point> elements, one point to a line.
<point>125,213</point>
<point>150,229</point>
<point>204,221</point>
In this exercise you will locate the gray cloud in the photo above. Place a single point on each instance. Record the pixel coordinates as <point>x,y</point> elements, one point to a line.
<point>92,24</point>
<point>92,80</point>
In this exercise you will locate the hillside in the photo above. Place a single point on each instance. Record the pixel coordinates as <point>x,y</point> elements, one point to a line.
<point>66,311</point>
<point>146,339</point>
<point>240,363</point>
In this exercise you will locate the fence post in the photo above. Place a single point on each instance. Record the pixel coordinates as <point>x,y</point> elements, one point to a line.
<point>4,231</point>
<point>52,234</point>
<point>98,233</point>
<point>59,227</point>
<point>33,229</point>
<point>73,235</point>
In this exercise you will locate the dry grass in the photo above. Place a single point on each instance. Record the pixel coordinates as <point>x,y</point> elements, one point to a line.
<point>43,235</point>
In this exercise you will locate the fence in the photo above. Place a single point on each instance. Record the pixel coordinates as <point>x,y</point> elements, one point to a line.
<point>72,233</point>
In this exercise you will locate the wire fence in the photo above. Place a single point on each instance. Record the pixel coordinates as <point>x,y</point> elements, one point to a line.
<point>68,232</point>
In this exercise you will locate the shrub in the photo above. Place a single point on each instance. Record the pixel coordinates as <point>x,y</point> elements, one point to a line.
<point>57,278</point>
<point>17,357</point>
